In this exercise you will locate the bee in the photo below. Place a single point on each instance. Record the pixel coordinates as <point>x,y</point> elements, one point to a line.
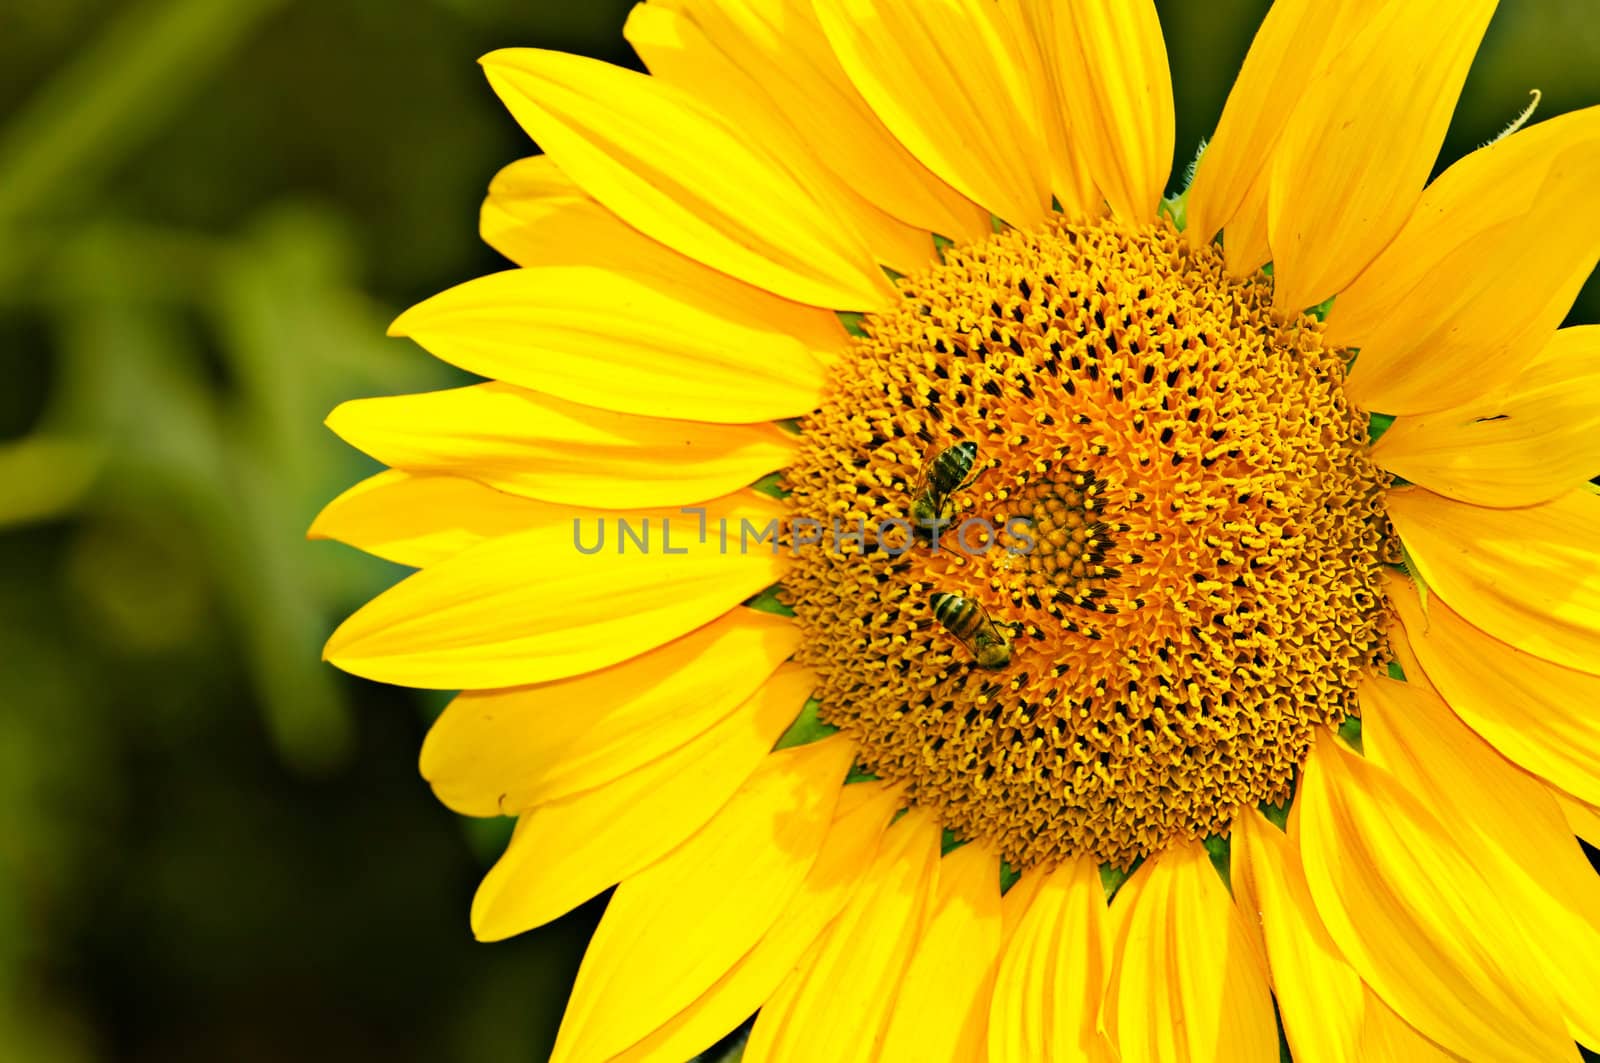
<point>988,642</point>
<point>950,470</point>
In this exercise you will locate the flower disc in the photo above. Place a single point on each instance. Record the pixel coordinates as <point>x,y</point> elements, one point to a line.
<point>1172,525</point>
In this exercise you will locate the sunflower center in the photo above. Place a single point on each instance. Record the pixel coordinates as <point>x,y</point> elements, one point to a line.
<point>1121,550</point>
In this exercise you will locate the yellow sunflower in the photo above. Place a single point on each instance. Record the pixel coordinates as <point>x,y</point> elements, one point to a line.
<point>968,605</point>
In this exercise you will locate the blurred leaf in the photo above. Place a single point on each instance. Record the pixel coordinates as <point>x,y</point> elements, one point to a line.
<point>43,477</point>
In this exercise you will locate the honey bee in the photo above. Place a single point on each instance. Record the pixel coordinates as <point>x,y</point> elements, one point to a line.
<point>988,642</point>
<point>933,508</point>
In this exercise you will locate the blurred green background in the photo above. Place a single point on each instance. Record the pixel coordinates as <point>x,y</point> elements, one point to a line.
<point>211,845</point>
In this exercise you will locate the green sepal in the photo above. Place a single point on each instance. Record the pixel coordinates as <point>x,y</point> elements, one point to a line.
<point>1112,878</point>
<point>767,602</point>
<point>852,322</point>
<point>771,485</point>
<point>1377,424</point>
<point>1008,877</point>
<point>1220,850</point>
<point>1278,815</point>
<point>1350,731</point>
<point>807,728</point>
<point>1410,565</point>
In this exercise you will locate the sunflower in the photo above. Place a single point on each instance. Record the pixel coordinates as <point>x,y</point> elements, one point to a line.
<point>971,606</point>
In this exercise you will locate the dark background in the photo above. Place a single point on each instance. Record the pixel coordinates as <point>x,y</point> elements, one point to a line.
<point>212,846</point>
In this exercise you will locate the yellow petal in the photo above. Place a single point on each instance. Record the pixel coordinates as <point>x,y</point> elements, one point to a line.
<point>1416,920</point>
<point>1507,825</point>
<point>565,852</point>
<point>863,812</point>
<point>1052,977</point>
<point>1113,62</point>
<point>1536,439</point>
<point>1039,41</point>
<point>837,1006</point>
<point>943,77</point>
<point>1528,577</point>
<point>421,519</point>
<point>530,607</point>
<point>1582,818</point>
<point>942,1010</point>
<point>1539,715</point>
<point>699,346</point>
<point>535,215</point>
<point>678,173</point>
<point>675,928</point>
<point>677,50</point>
<point>1296,42</point>
<point>1359,147</point>
<point>1188,985</point>
<point>557,451</point>
<point>1016,902</point>
<point>1385,1037</point>
<point>782,44</point>
<point>1319,994</point>
<point>1480,277</point>
<point>499,752</point>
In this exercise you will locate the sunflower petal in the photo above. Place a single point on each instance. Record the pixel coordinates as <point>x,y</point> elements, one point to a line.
<point>675,928</point>
<point>943,77</point>
<point>496,752</point>
<point>421,519</point>
<point>863,812</point>
<point>837,1006</point>
<point>783,43</point>
<point>529,607</point>
<point>1537,439</point>
<point>676,49</point>
<point>1538,715</point>
<point>1480,277</point>
<point>1415,919</point>
<point>1386,1038</point>
<point>557,451</point>
<point>1053,973</point>
<point>565,852</point>
<point>1582,818</point>
<point>1113,61</point>
<point>1526,576</point>
<point>698,346</point>
<point>942,1008</point>
<point>672,169</point>
<point>1507,825</point>
<point>1297,42</point>
<point>1360,145</point>
<point>1040,39</point>
<point>535,215</point>
<point>1180,930</point>
<point>1319,995</point>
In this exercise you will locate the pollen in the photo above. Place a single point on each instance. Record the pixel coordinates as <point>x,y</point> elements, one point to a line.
<point>1170,522</point>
